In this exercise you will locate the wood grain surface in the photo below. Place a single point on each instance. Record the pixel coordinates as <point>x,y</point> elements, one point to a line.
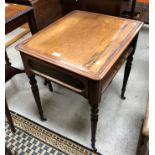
<point>83,42</point>
<point>14,10</point>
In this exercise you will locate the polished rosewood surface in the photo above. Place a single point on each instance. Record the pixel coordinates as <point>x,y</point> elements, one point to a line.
<point>83,42</point>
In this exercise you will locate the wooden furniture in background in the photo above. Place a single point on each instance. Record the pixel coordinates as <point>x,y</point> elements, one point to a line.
<point>146,122</point>
<point>110,7</point>
<point>142,10</point>
<point>143,145</point>
<point>81,51</point>
<point>9,73</point>
<point>145,131</point>
<point>45,11</point>
<point>10,41</point>
<point>48,11</point>
<point>8,116</point>
<point>136,9</point>
<point>15,16</point>
<point>143,1</point>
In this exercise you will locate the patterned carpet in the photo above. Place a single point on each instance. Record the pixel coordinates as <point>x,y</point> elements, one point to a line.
<point>32,139</point>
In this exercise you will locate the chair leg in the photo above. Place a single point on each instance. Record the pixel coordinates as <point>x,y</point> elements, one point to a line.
<point>8,115</point>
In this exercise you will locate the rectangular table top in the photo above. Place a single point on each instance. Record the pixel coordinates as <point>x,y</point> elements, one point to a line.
<point>83,42</point>
<point>12,11</point>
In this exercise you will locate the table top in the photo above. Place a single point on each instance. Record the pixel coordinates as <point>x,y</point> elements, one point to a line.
<point>13,11</point>
<point>83,42</point>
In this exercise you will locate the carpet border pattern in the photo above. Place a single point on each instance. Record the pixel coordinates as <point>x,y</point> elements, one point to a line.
<point>57,143</point>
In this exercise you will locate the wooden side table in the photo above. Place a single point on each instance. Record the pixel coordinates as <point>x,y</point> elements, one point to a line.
<point>82,51</point>
<point>15,16</point>
<point>45,11</point>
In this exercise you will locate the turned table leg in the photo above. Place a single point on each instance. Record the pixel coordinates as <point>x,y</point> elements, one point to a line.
<point>128,67</point>
<point>94,100</point>
<point>36,95</point>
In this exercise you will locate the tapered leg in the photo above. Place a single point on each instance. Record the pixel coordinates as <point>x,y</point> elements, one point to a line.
<point>36,95</point>
<point>128,68</point>
<point>7,59</point>
<point>49,85</point>
<point>8,115</point>
<point>94,120</point>
<point>94,99</point>
<point>126,74</point>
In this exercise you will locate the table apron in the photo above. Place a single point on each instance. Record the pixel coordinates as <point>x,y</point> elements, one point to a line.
<point>10,26</point>
<point>115,68</point>
<point>69,79</point>
<point>55,74</point>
